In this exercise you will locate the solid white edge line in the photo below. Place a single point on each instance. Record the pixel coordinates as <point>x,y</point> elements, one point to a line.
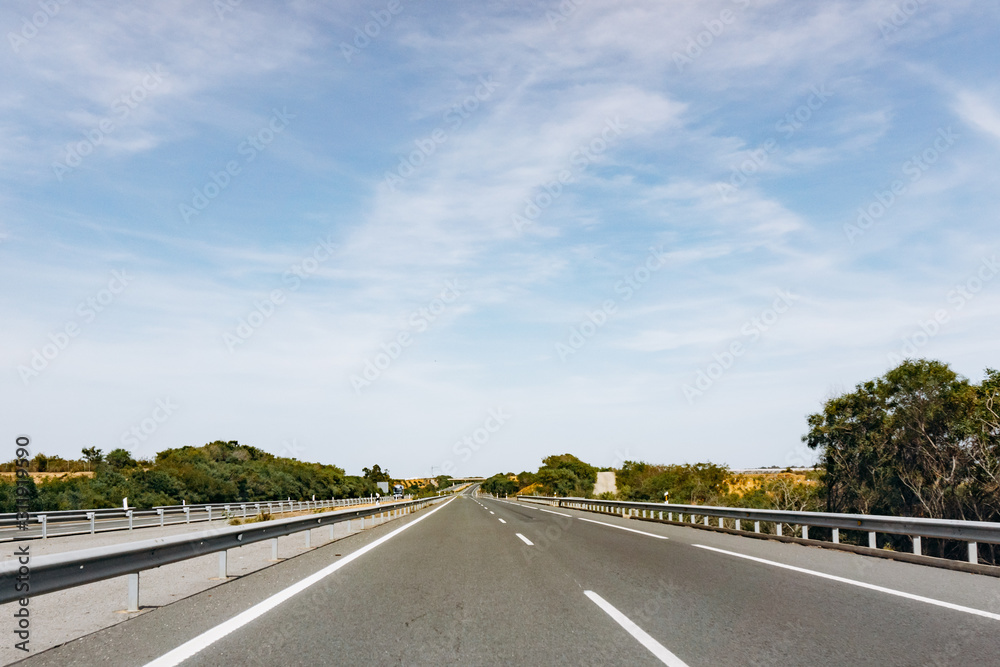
<point>209,637</point>
<point>525,540</point>
<point>631,530</point>
<point>539,509</point>
<point>654,647</point>
<point>861,584</point>
<point>502,521</point>
<point>551,512</point>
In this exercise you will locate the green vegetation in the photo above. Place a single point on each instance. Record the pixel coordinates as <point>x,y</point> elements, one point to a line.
<point>919,441</point>
<point>217,472</point>
<point>501,485</point>
<point>566,475</point>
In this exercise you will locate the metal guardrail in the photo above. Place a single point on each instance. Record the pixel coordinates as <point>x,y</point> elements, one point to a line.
<point>56,572</point>
<point>191,514</point>
<point>971,532</point>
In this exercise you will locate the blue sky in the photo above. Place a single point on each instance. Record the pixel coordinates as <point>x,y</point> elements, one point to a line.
<point>482,234</point>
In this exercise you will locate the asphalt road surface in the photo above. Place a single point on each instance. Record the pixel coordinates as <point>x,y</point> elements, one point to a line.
<point>477,581</point>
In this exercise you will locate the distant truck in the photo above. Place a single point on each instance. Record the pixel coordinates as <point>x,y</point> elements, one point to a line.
<point>397,491</point>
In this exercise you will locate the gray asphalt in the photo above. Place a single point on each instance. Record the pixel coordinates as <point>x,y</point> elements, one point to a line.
<point>461,588</point>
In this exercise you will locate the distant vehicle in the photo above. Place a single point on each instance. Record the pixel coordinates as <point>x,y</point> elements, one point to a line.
<point>397,491</point>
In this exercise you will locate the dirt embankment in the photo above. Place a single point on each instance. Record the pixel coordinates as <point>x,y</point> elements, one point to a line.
<point>45,476</point>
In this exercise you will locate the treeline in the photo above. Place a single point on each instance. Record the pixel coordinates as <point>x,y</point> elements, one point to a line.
<point>919,441</point>
<point>687,484</point>
<point>562,475</point>
<point>216,472</point>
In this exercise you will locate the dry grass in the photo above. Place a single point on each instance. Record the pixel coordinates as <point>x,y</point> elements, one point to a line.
<point>39,476</point>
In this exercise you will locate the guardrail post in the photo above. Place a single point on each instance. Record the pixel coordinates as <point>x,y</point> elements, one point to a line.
<point>331,530</point>
<point>91,515</point>
<point>308,538</point>
<point>722,523</point>
<point>778,526</point>
<point>187,514</point>
<point>244,511</point>
<point>836,535</point>
<point>210,514</point>
<point>916,545</point>
<point>45,525</point>
<point>973,552</point>
<point>133,592</point>
<point>274,548</point>
<point>256,509</point>
<point>269,509</point>
<point>871,540</point>
<point>670,516</point>
<point>129,515</point>
<point>222,565</point>
<point>706,521</point>
<point>805,532</point>
<point>756,526</point>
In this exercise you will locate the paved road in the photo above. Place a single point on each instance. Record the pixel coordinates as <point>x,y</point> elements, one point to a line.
<point>488,582</point>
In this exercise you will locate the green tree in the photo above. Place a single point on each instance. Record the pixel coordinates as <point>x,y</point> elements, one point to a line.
<point>894,445</point>
<point>500,485</point>
<point>93,455</point>
<point>120,459</point>
<point>919,441</point>
<point>566,475</point>
<point>376,474</point>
